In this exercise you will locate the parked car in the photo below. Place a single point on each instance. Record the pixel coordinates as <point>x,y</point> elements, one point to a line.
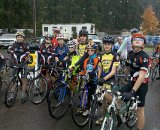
<point>7,39</point>
<point>96,40</point>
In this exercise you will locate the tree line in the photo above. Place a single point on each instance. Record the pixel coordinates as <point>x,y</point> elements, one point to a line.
<point>109,15</point>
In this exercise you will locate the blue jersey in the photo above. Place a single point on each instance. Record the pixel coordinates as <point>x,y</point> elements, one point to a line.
<point>61,52</point>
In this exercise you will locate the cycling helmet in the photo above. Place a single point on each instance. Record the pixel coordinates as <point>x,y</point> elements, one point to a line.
<point>56,30</point>
<point>60,36</point>
<point>48,36</point>
<point>71,43</point>
<point>93,47</point>
<point>83,32</point>
<point>108,39</point>
<point>138,35</point>
<point>134,30</point>
<point>20,34</point>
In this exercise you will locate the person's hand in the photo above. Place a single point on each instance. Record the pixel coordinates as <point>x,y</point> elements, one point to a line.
<point>101,81</point>
<point>128,95</point>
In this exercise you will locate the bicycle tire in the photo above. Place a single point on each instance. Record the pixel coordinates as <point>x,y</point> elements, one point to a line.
<point>76,104</point>
<point>37,93</point>
<point>9,102</point>
<point>58,97</point>
<point>131,115</point>
<point>92,115</point>
<point>109,121</point>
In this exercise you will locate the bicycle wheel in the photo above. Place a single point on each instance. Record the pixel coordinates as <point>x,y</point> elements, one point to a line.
<point>93,112</point>
<point>38,90</point>
<point>11,93</point>
<point>132,119</point>
<point>58,100</point>
<point>109,122</point>
<point>79,105</point>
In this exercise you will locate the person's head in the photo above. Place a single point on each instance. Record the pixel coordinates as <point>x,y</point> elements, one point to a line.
<point>56,31</point>
<point>20,37</point>
<point>134,31</point>
<point>60,39</point>
<point>83,35</point>
<point>119,40</point>
<point>48,39</point>
<point>138,42</point>
<point>92,49</point>
<point>108,42</point>
<point>71,46</point>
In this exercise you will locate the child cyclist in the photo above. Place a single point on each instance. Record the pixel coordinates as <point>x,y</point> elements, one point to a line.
<point>90,67</point>
<point>109,61</point>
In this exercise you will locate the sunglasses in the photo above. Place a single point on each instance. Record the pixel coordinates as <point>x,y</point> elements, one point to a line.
<point>138,39</point>
<point>70,47</point>
<point>48,39</point>
<point>90,50</point>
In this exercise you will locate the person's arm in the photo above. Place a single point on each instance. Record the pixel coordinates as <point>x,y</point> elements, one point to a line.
<point>142,73</point>
<point>123,46</point>
<point>99,70</point>
<point>139,80</point>
<point>81,60</point>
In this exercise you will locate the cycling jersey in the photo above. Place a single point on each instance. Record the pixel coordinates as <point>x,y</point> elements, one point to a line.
<point>138,62</point>
<point>107,60</point>
<point>46,56</point>
<point>19,50</point>
<point>54,42</point>
<point>72,58</point>
<point>81,49</point>
<point>61,52</point>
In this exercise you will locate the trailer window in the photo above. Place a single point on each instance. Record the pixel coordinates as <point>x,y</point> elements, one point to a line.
<point>45,29</point>
<point>84,27</point>
<point>74,29</point>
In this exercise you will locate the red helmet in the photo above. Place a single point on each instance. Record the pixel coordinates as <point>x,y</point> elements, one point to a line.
<point>138,35</point>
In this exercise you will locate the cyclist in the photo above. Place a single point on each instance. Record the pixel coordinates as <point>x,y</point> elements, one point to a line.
<point>19,53</point>
<point>126,45</point>
<point>138,61</point>
<point>56,31</point>
<point>109,61</point>
<point>83,44</point>
<point>117,44</point>
<point>47,57</point>
<point>90,66</point>
<point>61,52</point>
<point>157,50</point>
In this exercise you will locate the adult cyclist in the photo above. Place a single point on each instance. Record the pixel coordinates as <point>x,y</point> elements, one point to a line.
<point>19,54</point>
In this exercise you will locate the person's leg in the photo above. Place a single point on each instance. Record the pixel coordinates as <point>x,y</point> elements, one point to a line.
<point>140,118</point>
<point>141,92</point>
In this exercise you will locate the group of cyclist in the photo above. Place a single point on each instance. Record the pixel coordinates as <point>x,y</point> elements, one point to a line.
<point>83,56</point>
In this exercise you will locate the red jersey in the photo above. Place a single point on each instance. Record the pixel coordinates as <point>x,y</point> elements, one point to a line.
<point>54,42</point>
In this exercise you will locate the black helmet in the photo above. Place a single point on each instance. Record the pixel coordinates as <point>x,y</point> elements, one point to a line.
<point>134,30</point>
<point>108,39</point>
<point>83,32</point>
<point>48,36</point>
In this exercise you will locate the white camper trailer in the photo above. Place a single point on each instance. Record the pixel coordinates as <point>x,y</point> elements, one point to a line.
<point>68,30</point>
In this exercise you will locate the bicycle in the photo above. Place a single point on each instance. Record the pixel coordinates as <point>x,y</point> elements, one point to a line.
<point>80,102</point>
<point>58,96</point>
<point>154,69</point>
<point>122,73</point>
<point>4,72</point>
<point>14,84</point>
<point>120,112</point>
